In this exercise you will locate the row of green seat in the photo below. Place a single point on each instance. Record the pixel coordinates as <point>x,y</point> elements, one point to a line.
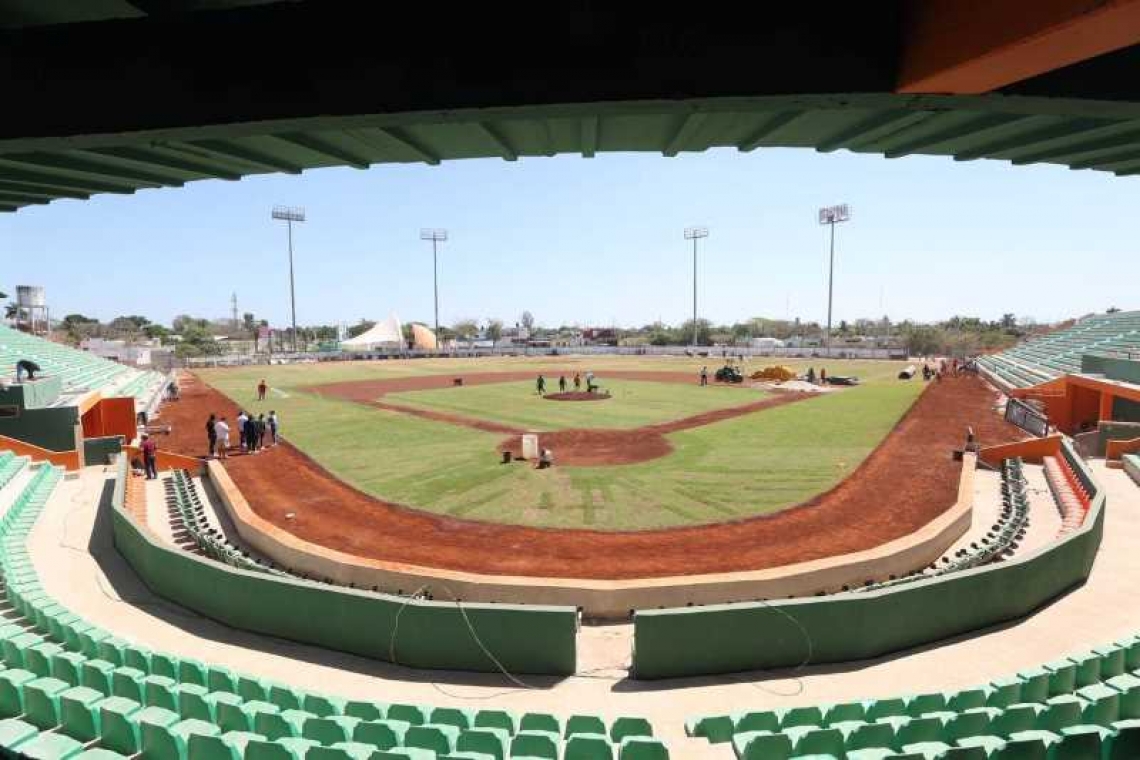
<point>68,688</point>
<point>1086,707</point>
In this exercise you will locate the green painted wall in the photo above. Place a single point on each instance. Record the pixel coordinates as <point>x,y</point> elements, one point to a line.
<point>750,636</point>
<point>1125,410</point>
<point>52,429</point>
<point>530,639</point>
<point>96,450</point>
<point>1112,368</point>
<point>33,395</point>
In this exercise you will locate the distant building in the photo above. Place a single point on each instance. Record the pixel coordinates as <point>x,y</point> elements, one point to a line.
<point>600,336</point>
<point>763,343</point>
<point>137,353</point>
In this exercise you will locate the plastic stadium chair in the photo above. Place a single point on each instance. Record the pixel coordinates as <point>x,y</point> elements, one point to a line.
<point>381,734</point>
<point>588,747</point>
<point>642,748</point>
<point>535,744</point>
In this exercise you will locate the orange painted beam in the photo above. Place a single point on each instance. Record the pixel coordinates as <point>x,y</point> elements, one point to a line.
<point>1031,450</point>
<point>66,459</point>
<point>968,47</point>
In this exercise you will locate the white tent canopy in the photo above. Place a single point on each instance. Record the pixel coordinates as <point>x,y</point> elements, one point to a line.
<point>384,334</point>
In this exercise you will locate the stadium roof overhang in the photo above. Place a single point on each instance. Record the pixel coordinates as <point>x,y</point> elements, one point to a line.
<point>110,96</point>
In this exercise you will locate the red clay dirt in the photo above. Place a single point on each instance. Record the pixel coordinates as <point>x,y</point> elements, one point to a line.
<point>906,482</point>
<point>576,396</point>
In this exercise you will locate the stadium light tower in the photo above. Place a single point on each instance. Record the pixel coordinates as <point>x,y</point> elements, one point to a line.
<point>695,234</point>
<point>436,237</point>
<point>290,214</point>
<point>831,216</point>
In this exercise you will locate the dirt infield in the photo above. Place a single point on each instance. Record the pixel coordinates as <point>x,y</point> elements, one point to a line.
<point>576,396</point>
<point>907,481</point>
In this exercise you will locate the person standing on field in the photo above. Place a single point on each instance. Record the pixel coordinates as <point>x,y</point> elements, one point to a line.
<point>540,384</point>
<point>272,421</point>
<point>260,431</point>
<point>562,383</point>
<point>577,382</point>
<point>261,389</point>
<point>150,457</point>
<point>704,375</point>
<point>242,419</point>
<point>212,434</point>
<point>222,435</point>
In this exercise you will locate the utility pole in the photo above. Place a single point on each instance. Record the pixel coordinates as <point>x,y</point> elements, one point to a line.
<point>831,216</point>
<point>290,214</point>
<point>695,234</point>
<point>233,306</point>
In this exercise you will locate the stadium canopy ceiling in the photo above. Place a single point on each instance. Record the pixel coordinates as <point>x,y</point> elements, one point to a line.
<point>111,96</point>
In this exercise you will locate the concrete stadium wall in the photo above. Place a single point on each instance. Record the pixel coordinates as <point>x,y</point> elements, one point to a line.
<point>854,626</point>
<point>1127,370</point>
<point>420,634</point>
<point>98,450</point>
<point>600,599</point>
<point>52,429</point>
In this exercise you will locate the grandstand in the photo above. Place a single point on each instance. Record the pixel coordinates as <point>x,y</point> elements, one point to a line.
<point>79,371</point>
<point>1059,353</point>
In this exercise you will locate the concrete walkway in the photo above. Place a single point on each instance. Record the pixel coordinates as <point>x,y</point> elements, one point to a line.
<point>78,566</point>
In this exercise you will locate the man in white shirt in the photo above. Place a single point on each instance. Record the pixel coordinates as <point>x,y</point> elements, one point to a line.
<point>242,419</point>
<point>222,428</point>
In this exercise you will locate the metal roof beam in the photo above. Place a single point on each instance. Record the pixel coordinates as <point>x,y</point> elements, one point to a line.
<point>44,179</point>
<point>684,133</point>
<point>1036,137</point>
<point>950,46</point>
<point>782,119</point>
<point>1112,159</point>
<point>504,148</point>
<point>45,191</point>
<point>6,207</point>
<point>324,148</point>
<point>589,128</point>
<point>980,125</point>
<point>1127,140</point>
<point>23,200</point>
<point>861,132</point>
<point>409,143</point>
<point>69,162</point>
<point>153,156</point>
<point>242,153</point>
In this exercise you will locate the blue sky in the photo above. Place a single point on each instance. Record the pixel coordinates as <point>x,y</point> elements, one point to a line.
<point>598,241</point>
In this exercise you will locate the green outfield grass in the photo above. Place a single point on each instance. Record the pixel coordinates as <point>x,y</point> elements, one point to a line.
<point>749,465</point>
<point>631,404</point>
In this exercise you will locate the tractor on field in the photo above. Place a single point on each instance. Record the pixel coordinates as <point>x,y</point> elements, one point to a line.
<point>729,374</point>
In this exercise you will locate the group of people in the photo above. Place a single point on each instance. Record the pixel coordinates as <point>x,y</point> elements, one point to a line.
<point>822,375</point>
<point>252,433</point>
<point>591,386</point>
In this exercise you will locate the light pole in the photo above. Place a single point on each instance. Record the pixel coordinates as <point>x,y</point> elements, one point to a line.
<point>291,214</point>
<point>436,237</point>
<point>695,234</point>
<point>831,216</point>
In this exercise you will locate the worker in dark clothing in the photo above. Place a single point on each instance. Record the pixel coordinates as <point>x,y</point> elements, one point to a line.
<point>562,383</point>
<point>577,382</point>
<point>540,384</point>
<point>212,434</point>
<point>150,457</point>
<point>26,367</point>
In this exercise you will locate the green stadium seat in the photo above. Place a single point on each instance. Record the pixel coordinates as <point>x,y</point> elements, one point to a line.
<point>858,735</point>
<point>171,742</point>
<point>411,714</point>
<point>626,726</point>
<point>137,657</point>
<point>365,710</point>
<point>14,731</point>
<point>643,748</point>
<point>438,739</point>
<point>762,745</point>
<point>756,721</point>
<point>46,746</point>
<point>97,675</point>
<point>79,713</point>
<point>801,716</point>
<point>12,691</point>
<point>127,682</point>
<point>323,706</point>
<point>118,726</point>
<point>846,711</point>
<point>38,658</point>
<point>220,679</point>
<point>291,748</point>
<point>496,719</point>
<point>98,753</point>
<point>41,701</point>
<point>535,744</point>
<point>329,730</point>
<point>159,691</point>
<point>68,666</point>
<point>540,722</point>
<point>342,751</point>
<point>382,734</point>
<point>587,747</point>
<point>486,741</point>
<point>252,689</point>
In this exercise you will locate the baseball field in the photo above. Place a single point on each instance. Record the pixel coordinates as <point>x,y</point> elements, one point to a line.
<point>660,452</point>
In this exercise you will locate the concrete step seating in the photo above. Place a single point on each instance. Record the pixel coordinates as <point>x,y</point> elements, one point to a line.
<point>71,689</point>
<point>1071,497</point>
<point>79,370</point>
<point>1040,359</point>
<point>1086,707</point>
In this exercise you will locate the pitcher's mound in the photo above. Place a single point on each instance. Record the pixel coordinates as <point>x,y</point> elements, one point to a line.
<point>577,396</point>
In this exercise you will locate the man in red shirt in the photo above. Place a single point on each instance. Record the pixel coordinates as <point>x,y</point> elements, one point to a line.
<point>262,387</point>
<point>150,457</point>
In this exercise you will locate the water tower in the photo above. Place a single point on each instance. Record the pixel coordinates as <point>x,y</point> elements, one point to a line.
<point>31,310</point>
